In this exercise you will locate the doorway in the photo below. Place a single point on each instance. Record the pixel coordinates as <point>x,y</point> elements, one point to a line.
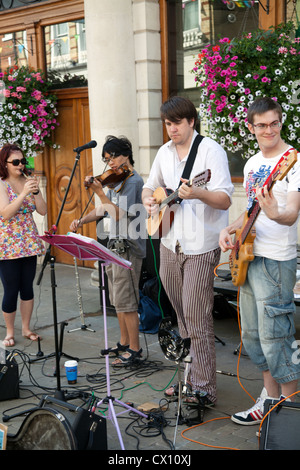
<point>74,131</point>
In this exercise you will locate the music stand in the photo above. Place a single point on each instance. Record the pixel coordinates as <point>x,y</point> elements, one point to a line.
<point>85,248</point>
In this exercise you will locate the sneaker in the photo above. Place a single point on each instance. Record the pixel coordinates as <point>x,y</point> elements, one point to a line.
<point>282,397</point>
<point>255,414</point>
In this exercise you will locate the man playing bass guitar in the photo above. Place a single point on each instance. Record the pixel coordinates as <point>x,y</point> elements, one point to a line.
<point>266,296</point>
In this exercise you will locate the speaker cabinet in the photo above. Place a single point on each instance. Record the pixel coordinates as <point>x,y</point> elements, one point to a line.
<point>58,425</point>
<point>9,378</point>
<point>281,427</point>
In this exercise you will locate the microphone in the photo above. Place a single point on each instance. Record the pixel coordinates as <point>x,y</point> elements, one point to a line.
<point>90,145</point>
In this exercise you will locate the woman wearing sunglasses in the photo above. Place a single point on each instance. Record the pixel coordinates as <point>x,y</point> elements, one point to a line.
<point>19,242</point>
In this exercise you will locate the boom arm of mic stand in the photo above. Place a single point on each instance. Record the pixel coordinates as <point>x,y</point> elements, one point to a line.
<point>48,253</point>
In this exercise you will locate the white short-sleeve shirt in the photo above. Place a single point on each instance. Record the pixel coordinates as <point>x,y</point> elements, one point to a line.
<point>196,225</point>
<point>272,240</point>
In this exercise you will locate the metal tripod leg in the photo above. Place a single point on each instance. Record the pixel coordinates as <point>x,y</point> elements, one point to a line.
<point>79,298</point>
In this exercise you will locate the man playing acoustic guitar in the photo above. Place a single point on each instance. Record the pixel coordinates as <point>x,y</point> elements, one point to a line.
<point>189,251</point>
<point>266,297</point>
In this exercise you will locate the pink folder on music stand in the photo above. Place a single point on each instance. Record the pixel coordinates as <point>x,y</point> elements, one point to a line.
<point>85,248</point>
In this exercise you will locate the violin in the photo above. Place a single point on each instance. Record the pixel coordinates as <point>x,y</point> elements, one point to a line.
<point>110,178</point>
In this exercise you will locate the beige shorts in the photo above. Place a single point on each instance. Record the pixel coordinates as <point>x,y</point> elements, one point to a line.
<point>123,284</point>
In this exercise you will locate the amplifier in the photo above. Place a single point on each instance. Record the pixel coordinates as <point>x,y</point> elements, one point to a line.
<point>281,428</point>
<point>9,377</point>
<point>88,427</point>
<point>59,425</point>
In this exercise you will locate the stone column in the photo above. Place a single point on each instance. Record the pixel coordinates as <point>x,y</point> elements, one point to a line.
<point>124,74</point>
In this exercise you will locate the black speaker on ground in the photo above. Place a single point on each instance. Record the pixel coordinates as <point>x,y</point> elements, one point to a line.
<point>9,376</point>
<point>58,425</point>
<point>281,427</point>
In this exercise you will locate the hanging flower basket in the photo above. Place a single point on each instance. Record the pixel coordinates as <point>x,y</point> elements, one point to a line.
<point>233,73</point>
<point>28,114</point>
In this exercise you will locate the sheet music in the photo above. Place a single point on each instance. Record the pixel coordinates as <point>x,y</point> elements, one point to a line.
<point>85,248</point>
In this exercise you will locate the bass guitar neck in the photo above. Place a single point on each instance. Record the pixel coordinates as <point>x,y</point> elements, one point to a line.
<point>242,252</point>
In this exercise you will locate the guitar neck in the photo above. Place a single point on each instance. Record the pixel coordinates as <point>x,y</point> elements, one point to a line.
<point>169,199</point>
<point>255,209</point>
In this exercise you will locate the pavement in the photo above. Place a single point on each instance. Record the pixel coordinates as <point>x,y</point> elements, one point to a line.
<point>80,334</point>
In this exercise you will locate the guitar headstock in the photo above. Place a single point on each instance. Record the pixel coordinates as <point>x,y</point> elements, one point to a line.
<point>202,178</point>
<point>284,165</point>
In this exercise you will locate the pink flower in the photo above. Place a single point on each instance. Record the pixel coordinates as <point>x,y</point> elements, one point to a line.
<point>36,94</point>
<point>256,76</point>
<point>258,48</point>
<point>263,67</point>
<point>23,118</point>
<point>282,50</point>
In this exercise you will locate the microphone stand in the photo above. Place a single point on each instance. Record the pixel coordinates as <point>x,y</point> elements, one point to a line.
<point>49,258</point>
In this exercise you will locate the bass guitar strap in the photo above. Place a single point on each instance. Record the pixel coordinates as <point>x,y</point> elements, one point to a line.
<point>190,161</point>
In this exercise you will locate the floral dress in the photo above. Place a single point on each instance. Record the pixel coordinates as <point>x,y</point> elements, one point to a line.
<point>19,235</point>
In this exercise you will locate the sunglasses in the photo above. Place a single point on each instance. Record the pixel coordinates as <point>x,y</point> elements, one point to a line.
<point>16,162</point>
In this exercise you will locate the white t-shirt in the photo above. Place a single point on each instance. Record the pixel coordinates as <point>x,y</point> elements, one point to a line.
<point>196,225</point>
<point>272,240</point>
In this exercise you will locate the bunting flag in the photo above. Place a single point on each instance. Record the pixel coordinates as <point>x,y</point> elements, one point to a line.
<point>241,3</point>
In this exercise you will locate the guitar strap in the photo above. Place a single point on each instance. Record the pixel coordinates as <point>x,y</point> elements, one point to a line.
<point>190,161</point>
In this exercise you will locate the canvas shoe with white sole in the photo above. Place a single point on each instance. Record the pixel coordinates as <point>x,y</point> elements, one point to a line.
<point>255,414</point>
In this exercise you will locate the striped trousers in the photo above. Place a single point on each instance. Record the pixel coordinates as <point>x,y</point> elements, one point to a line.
<point>188,282</point>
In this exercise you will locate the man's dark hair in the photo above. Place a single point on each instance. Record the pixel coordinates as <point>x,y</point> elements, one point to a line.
<point>177,108</point>
<point>116,146</point>
<point>263,105</point>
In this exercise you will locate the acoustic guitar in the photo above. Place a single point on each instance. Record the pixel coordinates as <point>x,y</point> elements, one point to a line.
<point>242,252</point>
<point>159,224</point>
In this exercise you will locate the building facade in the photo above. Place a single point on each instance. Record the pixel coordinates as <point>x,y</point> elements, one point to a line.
<point>112,63</point>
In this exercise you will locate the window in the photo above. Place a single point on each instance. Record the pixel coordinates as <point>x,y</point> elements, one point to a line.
<point>66,57</point>
<point>14,49</point>
<point>192,24</point>
<point>10,4</point>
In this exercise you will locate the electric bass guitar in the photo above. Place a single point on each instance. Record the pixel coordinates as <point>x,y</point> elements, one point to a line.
<point>242,252</point>
<point>159,224</point>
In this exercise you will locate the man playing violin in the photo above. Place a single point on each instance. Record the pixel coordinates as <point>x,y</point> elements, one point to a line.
<point>121,204</point>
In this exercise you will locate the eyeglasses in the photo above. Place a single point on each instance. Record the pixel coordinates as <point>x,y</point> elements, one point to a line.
<point>16,162</point>
<point>273,125</point>
<point>111,157</point>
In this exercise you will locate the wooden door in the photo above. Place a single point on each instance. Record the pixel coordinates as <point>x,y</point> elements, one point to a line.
<point>74,131</point>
